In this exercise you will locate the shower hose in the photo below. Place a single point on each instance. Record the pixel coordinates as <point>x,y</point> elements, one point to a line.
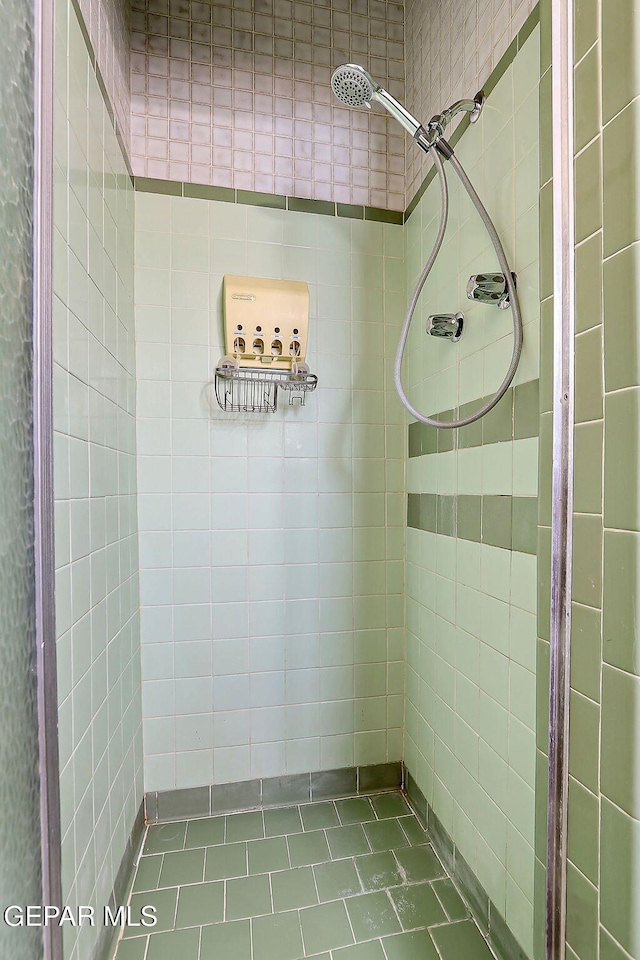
<point>511,287</point>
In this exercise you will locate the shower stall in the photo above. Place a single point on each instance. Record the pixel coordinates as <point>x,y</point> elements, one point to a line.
<point>327,648</point>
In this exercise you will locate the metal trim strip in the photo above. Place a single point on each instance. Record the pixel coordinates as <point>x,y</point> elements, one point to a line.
<point>562,17</point>
<point>51,838</point>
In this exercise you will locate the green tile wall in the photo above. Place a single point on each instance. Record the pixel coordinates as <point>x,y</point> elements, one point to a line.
<point>604,806</point>
<point>98,637</point>
<point>471,568</point>
<point>271,546</point>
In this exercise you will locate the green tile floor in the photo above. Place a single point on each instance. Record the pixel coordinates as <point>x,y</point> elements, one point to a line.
<point>353,879</point>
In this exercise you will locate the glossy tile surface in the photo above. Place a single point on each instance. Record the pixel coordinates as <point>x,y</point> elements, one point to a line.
<point>471,547</point>
<point>347,902</point>
<point>271,570</point>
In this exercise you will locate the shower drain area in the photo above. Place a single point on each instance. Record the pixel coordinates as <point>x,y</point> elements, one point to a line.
<point>350,879</point>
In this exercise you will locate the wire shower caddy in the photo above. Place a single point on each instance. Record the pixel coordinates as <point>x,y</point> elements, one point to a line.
<point>247,390</point>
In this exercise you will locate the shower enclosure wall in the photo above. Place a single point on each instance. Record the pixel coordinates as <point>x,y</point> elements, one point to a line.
<point>271,552</point>
<point>309,591</point>
<point>97,619</point>
<point>470,715</point>
<point>270,549</point>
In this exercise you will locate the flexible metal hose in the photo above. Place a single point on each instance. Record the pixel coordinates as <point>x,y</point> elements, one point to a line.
<point>511,287</point>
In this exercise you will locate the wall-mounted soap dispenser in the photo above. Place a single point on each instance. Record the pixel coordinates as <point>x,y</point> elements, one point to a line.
<point>266,334</point>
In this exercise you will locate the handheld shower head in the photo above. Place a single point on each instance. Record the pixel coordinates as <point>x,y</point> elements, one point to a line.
<point>354,86</point>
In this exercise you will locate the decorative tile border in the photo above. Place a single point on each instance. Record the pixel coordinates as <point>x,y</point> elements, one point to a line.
<point>221,798</point>
<point>496,75</point>
<point>218,798</point>
<point>489,919</point>
<point>176,188</point>
<point>499,521</point>
<point>124,879</point>
<point>516,417</point>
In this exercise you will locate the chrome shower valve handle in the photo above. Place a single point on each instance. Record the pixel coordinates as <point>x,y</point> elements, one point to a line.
<point>490,288</point>
<point>449,326</point>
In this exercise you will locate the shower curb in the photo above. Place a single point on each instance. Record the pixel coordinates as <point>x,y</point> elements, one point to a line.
<point>162,806</point>
<point>485,913</point>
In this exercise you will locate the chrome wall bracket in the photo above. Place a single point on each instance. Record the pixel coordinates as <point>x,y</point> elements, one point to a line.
<point>490,288</point>
<point>446,325</point>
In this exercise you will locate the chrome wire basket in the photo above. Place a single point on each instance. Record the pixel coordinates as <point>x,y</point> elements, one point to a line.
<point>245,390</point>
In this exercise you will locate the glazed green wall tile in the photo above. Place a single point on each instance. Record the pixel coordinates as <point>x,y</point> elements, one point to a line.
<point>588,178</point>
<point>620,173</point>
<point>583,732</point>
<point>586,26</point>
<point>471,435</point>
<point>620,607</point>
<point>496,521</point>
<point>526,410</point>
<point>545,470</point>
<point>541,801</point>
<point>621,739</point>
<point>589,283</point>
<point>588,376</point>
<point>446,516</point>
<point>621,481</point>
<point>542,694</point>
<point>524,534</point>
<point>587,560</point>
<point>469,515</point>
<point>619,876</point>
<point>586,658</point>
<point>620,41</point>
<point>546,354</point>
<point>609,949</point>
<point>546,249</point>
<point>588,459</point>
<point>539,902</point>
<point>621,291</point>
<point>545,128</point>
<point>545,36</point>
<point>582,915</point>
<point>497,424</point>
<point>583,844</point>
<point>544,581</point>
<point>587,98</point>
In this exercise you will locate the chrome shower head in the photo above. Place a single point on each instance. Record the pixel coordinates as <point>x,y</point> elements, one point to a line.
<point>354,86</point>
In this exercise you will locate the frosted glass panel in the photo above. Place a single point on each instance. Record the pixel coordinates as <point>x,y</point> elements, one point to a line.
<point>19,788</point>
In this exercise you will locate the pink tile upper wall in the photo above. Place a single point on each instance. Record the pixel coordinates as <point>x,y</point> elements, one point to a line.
<point>452,47</point>
<point>237,94</point>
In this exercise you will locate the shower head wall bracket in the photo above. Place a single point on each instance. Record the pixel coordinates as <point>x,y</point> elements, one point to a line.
<point>438,124</point>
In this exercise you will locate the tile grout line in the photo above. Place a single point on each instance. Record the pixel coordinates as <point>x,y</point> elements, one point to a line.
<point>375,817</point>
